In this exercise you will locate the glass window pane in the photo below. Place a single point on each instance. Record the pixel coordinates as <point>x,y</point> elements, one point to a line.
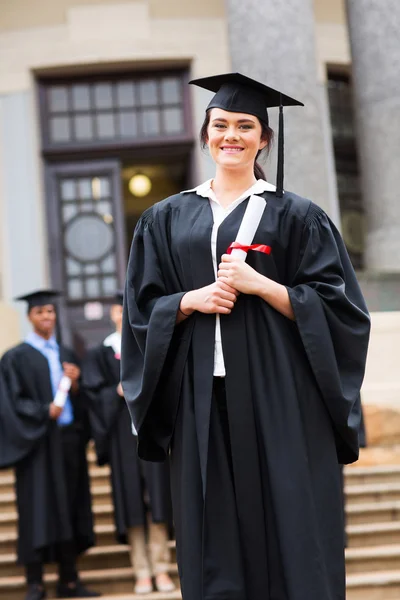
<point>88,238</point>
<point>105,126</point>
<point>125,94</point>
<point>84,188</point>
<point>91,269</point>
<point>75,288</point>
<point>100,187</point>
<point>58,99</point>
<point>83,127</point>
<point>173,120</point>
<point>86,207</point>
<point>150,122</point>
<point>127,123</point>
<point>109,285</point>
<point>60,129</point>
<point>73,267</point>
<point>68,190</point>
<point>105,187</point>
<point>103,95</point>
<point>92,288</point>
<point>80,97</point>
<point>69,211</point>
<point>108,265</point>
<point>170,90</point>
<point>102,207</point>
<point>148,93</point>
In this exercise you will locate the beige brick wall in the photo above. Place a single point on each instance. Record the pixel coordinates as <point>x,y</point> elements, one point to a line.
<point>102,34</point>
<point>330,11</point>
<point>382,378</point>
<point>24,14</point>
<point>10,329</point>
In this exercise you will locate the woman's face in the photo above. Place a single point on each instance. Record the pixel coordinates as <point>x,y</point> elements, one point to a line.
<point>234,138</point>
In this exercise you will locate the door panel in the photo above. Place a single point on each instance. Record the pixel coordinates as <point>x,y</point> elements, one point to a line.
<point>86,246</point>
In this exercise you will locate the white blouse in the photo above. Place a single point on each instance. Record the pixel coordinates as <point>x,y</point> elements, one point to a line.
<point>219,214</point>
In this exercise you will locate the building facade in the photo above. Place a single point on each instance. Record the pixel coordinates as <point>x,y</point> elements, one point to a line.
<point>97,123</point>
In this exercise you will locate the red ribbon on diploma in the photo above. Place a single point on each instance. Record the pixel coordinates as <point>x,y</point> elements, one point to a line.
<point>256,247</point>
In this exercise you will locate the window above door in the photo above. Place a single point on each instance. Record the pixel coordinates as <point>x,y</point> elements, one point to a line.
<point>108,110</point>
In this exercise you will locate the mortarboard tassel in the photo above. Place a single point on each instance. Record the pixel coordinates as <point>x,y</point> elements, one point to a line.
<point>279,172</point>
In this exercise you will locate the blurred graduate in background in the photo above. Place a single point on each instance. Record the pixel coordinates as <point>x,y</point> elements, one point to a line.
<point>141,490</point>
<point>43,435</point>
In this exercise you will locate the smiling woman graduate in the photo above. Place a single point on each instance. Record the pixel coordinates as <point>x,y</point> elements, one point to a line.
<point>248,372</point>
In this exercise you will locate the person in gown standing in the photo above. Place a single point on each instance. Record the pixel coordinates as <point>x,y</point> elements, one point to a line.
<point>46,444</point>
<point>141,490</point>
<point>246,372</point>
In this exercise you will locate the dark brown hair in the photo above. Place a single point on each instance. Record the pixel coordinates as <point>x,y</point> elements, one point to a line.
<point>266,134</point>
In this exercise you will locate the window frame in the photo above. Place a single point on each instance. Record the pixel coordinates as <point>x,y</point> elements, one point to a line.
<point>51,149</point>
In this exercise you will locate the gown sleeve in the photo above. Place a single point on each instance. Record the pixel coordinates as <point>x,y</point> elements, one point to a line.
<point>151,304</point>
<point>334,326</point>
<point>23,418</point>
<point>103,402</point>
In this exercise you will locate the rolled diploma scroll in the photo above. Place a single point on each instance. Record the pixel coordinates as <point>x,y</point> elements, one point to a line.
<point>249,225</point>
<point>62,392</point>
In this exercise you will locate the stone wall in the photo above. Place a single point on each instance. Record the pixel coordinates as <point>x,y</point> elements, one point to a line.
<point>381,391</point>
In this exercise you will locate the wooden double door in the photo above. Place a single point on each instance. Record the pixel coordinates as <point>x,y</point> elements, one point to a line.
<point>87,246</point>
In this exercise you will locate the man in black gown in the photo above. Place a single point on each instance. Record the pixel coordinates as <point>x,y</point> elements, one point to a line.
<point>141,490</point>
<point>43,436</point>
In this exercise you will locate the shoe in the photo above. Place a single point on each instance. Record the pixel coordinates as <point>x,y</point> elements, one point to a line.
<point>35,591</point>
<point>143,586</point>
<point>77,591</point>
<point>164,583</point>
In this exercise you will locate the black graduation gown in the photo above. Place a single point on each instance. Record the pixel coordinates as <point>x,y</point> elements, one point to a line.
<point>111,428</point>
<point>54,505</point>
<point>276,531</point>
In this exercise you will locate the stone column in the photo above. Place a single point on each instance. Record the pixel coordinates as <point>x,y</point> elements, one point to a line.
<point>374,27</point>
<point>274,42</point>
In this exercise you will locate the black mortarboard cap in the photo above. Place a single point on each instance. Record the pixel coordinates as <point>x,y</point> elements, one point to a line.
<point>119,297</point>
<point>39,298</point>
<point>235,92</point>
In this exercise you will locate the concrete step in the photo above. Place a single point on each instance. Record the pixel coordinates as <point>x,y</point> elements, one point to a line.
<point>384,585</point>
<point>105,536</point>
<point>372,559</point>
<point>101,494</point>
<point>372,492</point>
<point>7,481</point>
<point>373,534</point>
<point>381,512</point>
<point>98,558</point>
<point>369,475</point>
<point>98,476</point>
<point>103,515</point>
<point>111,582</point>
<point>154,596</point>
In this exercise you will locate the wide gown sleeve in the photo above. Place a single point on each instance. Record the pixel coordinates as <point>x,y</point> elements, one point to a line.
<point>23,418</point>
<point>334,326</point>
<point>104,403</point>
<point>151,304</point>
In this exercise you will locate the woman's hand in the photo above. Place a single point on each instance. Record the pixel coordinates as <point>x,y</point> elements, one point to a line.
<point>239,275</point>
<point>211,299</point>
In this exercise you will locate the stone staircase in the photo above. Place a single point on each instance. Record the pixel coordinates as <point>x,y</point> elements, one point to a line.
<point>372,556</point>
<point>105,568</point>
<point>373,529</point>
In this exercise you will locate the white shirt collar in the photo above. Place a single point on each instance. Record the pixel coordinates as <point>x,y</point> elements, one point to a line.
<point>114,341</point>
<point>259,187</point>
